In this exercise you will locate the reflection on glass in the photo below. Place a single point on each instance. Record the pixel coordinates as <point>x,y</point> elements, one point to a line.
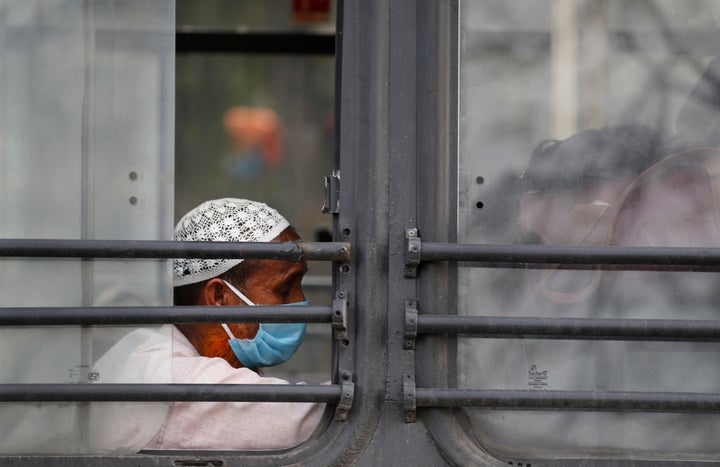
<point>86,153</point>
<point>590,123</point>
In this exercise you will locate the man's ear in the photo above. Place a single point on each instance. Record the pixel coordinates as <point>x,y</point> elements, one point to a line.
<point>214,293</point>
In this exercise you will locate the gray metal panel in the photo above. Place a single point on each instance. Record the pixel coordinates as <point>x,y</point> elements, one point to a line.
<point>422,108</point>
<point>435,207</point>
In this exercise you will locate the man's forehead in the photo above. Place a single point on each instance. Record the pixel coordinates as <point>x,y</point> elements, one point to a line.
<point>270,266</point>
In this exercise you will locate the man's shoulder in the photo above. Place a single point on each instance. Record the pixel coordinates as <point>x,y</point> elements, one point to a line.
<point>143,355</point>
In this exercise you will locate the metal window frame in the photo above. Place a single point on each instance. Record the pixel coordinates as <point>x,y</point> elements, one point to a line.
<point>429,379</point>
<point>340,393</point>
<point>338,440</point>
<point>395,169</point>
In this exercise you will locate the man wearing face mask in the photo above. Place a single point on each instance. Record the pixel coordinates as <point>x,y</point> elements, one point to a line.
<point>231,353</point>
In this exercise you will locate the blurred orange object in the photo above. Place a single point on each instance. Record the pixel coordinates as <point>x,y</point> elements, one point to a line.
<point>256,128</point>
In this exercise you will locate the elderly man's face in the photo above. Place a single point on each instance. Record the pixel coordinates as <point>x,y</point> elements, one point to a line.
<point>271,282</point>
<point>275,283</point>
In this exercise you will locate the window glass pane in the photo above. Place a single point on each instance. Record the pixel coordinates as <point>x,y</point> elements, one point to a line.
<point>85,153</point>
<point>261,127</point>
<point>566,108</point>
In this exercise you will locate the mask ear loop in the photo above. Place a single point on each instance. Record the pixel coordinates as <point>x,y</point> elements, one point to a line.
<point>228,331</point>
<point>243,298</point>
<point>239,294</point>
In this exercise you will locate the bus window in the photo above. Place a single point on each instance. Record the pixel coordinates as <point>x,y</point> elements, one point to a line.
<point>519,265</point>
<point>579,124</point>
<point>257,122</point>
<point>85,153</point>
<point>88,153</point>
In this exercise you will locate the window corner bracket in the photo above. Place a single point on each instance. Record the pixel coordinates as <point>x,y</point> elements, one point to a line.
<point>332,193</point>
<point>339,316</point>
<point>413,248</point>
<point>410,329</point>
<point>409,402</point>
<point>347,394</point>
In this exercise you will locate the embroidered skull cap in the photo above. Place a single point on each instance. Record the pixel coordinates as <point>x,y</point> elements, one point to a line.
<point>223,220</point>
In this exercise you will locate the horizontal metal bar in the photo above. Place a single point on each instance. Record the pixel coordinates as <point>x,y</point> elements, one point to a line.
<point>132,249</point>
<point>52,316</point>
<point>568,400</point>
<point>169,392</point>
<point>576,257</point>
<point>571,328</point>
<point>188,40</point>
<point>328,251</point>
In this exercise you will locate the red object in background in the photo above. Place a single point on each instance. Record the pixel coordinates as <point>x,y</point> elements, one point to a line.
<point>311,11</point>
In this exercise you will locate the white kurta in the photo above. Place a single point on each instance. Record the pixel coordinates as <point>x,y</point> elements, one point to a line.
<point>230,425</point>
<point>142,356</point>
<point>194,425</point>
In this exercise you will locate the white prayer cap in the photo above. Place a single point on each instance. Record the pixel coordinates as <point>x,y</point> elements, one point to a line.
<point>223,220</point>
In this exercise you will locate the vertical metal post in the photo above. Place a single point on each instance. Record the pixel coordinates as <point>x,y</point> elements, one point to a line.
<point>436,210</point>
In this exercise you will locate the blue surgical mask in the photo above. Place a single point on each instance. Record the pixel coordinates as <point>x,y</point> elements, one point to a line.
<point>273,344</point>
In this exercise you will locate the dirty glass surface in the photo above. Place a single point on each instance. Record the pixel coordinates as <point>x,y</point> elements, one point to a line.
<point>589,123</point>
<point>86,152</point>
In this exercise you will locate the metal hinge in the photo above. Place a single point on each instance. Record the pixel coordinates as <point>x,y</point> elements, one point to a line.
<point>347,395</point>
<point>410,331</point>
<point>339,325</point>
<point>332,193</point>
<point>409,402</point>
<point>413,247</point>
<point>408,381</point>
<point>339,316</point>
